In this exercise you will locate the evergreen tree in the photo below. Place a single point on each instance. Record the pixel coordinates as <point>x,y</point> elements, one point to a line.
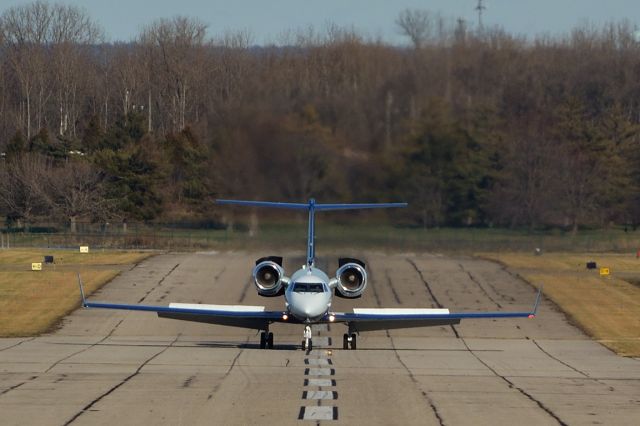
<point>440,170</point>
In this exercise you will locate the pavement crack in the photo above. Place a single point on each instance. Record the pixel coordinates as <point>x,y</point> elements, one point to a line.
<point>226,374</point>
<point>430,401</point>
<point>86,348</point>
<point>514,386</point>
<point>480,286</point>
<point>586,375</point>
<point>219,274</point>
<point>559,360</point>
<point>393,289</point>
<point>243,295</point>
<point>17,344</point>
<point>426,283</point>
<point>121,383</point>
<point>428,288</point>
<point>159,283</point>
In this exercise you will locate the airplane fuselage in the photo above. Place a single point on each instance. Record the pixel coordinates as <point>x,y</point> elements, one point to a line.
<point>308,296</point>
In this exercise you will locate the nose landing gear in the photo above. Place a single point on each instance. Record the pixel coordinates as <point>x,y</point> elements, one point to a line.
<point>306,342</point>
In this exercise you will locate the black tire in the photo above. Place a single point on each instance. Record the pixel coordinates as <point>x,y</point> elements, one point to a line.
<point>310,344</point>
<point>263,340</point>
<point>345,341</point>
<point>302,346</point>
<point>270,341</point>
<point>353,341</point>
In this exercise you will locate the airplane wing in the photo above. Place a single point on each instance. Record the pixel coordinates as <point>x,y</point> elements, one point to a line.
<point>386,319</point>
<point>253,317</point>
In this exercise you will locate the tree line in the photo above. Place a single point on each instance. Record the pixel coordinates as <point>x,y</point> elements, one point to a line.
<point>471,127</point>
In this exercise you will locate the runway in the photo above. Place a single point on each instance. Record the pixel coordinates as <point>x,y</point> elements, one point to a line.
<point>115,367</point>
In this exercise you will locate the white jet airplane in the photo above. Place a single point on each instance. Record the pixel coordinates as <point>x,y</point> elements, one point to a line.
<point>308,294</point>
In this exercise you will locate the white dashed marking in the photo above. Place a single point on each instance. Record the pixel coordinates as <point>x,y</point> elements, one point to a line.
<point>319,395</point>
<point>318,413</point>
<point>319,372</point>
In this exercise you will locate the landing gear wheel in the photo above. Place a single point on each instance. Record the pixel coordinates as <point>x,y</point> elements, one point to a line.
<point>345,341</point>
<point>270,340</point>
<point>310,345</point>
<point>353,341</point>
<point>263,340</point>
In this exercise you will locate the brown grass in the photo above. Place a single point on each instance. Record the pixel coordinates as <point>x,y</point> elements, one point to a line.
<point>69,257</point>
<point>606,308</point>
<point>33,302</point>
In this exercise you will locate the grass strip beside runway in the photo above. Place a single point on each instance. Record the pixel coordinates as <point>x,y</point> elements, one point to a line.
<point>33,302</point>
<point>605,307</point>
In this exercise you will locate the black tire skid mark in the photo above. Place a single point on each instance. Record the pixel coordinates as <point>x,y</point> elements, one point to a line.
<point>18,385</point>
<point>158,284</point>
<point>216,278</point>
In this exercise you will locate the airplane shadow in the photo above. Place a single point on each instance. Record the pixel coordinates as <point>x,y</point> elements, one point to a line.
<point>256,346</point>
<point>283,347</point>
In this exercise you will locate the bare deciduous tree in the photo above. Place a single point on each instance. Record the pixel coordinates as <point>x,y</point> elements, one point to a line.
<point>18,178</point>
<point>177,45</point>
<point>73,191</point>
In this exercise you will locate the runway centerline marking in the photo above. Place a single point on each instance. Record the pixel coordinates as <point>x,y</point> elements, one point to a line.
<point>318,413</point>
<point>322,362</point>
<point>321,394</point>
<point>319,372</point>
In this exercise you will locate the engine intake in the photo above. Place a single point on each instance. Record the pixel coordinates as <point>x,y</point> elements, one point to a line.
<point>267,276</point>
<point>352,279</point>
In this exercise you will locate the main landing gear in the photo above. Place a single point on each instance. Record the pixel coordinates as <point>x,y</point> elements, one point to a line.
<point>307,344</point>
<point>266,340</point>
<point>349,340</point>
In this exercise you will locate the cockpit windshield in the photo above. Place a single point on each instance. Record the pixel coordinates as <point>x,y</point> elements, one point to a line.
<point>308,287</point>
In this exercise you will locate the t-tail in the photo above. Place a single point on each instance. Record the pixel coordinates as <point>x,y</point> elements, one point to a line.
<point>312,207</point>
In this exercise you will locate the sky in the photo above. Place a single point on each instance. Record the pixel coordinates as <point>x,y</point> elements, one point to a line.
<point>266,20</point>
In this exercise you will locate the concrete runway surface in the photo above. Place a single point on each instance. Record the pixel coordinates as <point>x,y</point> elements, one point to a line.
<point>117,367</point>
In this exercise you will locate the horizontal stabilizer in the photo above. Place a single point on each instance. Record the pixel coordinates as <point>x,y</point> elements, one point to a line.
<point>289,206</point>
<point>311,205</point>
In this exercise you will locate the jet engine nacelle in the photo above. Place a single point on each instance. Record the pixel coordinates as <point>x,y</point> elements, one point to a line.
<point>268,276</point>
<point>351,278</point>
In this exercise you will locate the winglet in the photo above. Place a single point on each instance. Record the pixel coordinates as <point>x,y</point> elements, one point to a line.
<point>535,306</point>
<point>84,301</point>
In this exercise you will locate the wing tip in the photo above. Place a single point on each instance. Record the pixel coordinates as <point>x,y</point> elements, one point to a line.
<point>537,302</point>
<point>84,300</point>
